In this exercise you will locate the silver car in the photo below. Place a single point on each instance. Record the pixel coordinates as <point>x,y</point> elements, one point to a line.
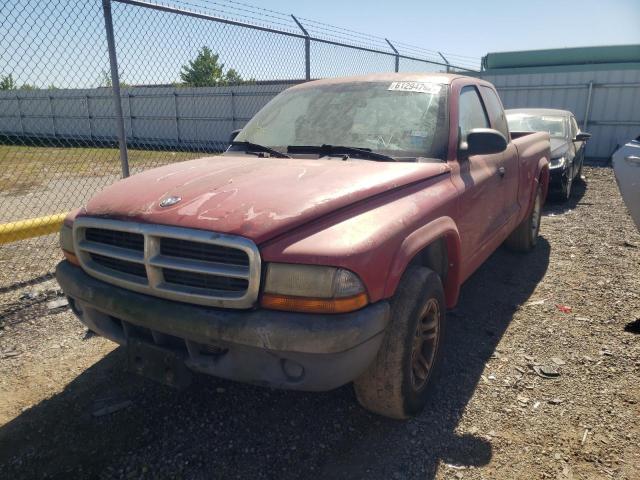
<point>626,165</point>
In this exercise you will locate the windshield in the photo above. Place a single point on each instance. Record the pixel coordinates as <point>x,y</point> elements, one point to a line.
<point>556,126</point>
<point>400,119</point>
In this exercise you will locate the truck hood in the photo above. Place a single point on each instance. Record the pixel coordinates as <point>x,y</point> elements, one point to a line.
<point>258,198</point>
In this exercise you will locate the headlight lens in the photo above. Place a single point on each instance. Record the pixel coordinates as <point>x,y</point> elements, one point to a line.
<point>558,162</point>
<point>312,288</point>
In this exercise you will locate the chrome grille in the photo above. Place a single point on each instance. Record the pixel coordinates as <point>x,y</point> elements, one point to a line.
<point>181,264</point>
<point>177,247</point>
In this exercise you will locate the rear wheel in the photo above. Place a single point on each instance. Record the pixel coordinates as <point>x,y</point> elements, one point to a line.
<point>397,383</point>
<point>525,236</point>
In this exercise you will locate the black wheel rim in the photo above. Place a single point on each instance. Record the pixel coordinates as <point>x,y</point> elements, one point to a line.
<point>425,344</point>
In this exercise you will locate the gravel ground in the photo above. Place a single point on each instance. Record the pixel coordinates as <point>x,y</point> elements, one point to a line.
<point>562,308</point>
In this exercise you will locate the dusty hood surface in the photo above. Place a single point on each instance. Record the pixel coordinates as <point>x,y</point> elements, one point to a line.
<point>258,198</point>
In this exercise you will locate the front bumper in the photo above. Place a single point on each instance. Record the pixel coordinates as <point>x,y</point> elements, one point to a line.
<point>557,177</point>
<point>279,349</point>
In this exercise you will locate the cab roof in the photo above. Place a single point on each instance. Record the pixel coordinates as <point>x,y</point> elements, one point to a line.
<point>442,78</point>
<point>541,111</point>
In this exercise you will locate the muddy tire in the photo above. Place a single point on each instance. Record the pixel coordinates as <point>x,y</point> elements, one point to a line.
<point>398,381</point>
<point>567,184</point>
<point>525,236</point>
<point>580,176</point>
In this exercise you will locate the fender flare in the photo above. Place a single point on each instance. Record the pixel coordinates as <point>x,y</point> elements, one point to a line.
<point>443,227</point>
<point>542,173</point>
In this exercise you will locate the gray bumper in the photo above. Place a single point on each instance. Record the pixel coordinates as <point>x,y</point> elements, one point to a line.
<point>279,349</point>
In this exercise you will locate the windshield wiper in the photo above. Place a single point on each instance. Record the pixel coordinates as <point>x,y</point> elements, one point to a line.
<point>324,150</point>
<point>255,147</point>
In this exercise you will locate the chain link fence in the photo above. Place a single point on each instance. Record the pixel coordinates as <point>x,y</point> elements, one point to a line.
<point>76,115</point>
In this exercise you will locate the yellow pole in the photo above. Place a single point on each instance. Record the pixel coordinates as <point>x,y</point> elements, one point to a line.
<point>32,227</point>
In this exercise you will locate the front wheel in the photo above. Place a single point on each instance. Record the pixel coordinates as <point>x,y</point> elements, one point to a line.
<point>567,184</point>
<point>397,383</point>
<point>580,176</point>
<point>525,237</point>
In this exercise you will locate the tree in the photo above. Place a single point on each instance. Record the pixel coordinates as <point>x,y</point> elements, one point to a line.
<point>27,86</point>
<point>232,77</point>
<point>105,80</point>
<point>7,83</point>
<point>206,71</point>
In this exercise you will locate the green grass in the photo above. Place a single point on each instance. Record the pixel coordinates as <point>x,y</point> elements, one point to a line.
<point>25,168</point>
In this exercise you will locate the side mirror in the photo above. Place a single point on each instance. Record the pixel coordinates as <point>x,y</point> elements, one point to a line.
<point>582,137</point>
<point>483,141</point>
<point>234,134</point>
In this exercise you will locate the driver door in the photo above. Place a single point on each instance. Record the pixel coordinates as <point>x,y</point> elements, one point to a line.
<point>481,204</point>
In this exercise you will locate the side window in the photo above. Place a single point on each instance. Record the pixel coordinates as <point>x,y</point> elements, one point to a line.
<point>574,127</point>
<point>471,112</point>
<point>495,111</point>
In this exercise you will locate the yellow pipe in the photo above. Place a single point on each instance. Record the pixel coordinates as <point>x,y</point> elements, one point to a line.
<point>33,227</point>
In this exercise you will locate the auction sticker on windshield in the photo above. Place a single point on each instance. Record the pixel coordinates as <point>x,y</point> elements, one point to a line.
<point>419,87</point>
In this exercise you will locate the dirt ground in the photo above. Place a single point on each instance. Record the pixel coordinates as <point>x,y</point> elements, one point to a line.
<point>563,307</point>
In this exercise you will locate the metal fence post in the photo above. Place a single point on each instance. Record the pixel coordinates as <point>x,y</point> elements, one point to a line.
<point>445,61</point>
<point>86,97</point>
<point>115,85</point>
<point>587,112</point>
<point>397,55</point>
<point>307,49</point>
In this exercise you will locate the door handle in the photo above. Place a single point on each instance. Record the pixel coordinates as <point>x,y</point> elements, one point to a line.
<point>501,171</point>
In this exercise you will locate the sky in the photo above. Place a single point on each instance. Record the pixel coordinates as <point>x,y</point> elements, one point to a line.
<point>475,28</point>
<point>62,42</point>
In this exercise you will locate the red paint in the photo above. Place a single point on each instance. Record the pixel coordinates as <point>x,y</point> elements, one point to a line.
<point>370,217</point>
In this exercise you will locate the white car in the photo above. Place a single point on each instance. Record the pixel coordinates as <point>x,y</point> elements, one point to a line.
<point>626,165</point>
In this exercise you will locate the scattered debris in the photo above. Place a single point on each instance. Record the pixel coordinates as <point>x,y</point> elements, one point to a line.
<point>564,308</point>
<point>558,361</point>
<point>9,354</point>
<point>546,371</point>
<point>455,467</point>
<point>556,401</point>
<point>57,304</point>
<point>535,302</point>
<point>112,408</point>
<point>584,436</point>
<point>28,295</point>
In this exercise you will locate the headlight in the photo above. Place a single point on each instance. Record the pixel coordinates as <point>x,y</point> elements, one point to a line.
<point>66,243</point>
<point>311,288</point>
<point>558,162</point>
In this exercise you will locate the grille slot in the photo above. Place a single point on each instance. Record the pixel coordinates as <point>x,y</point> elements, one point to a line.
<point>205,281</point>
<point>128,240</point>
<point>179,264</point>
<point>177,247</point>
<point>122,266</point>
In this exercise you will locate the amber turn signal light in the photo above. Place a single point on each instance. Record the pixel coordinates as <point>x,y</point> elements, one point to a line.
<point>71,258</point>
<point>314,305</point>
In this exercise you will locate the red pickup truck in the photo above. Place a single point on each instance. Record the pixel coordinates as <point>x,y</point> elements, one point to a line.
<point>322,248</point>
